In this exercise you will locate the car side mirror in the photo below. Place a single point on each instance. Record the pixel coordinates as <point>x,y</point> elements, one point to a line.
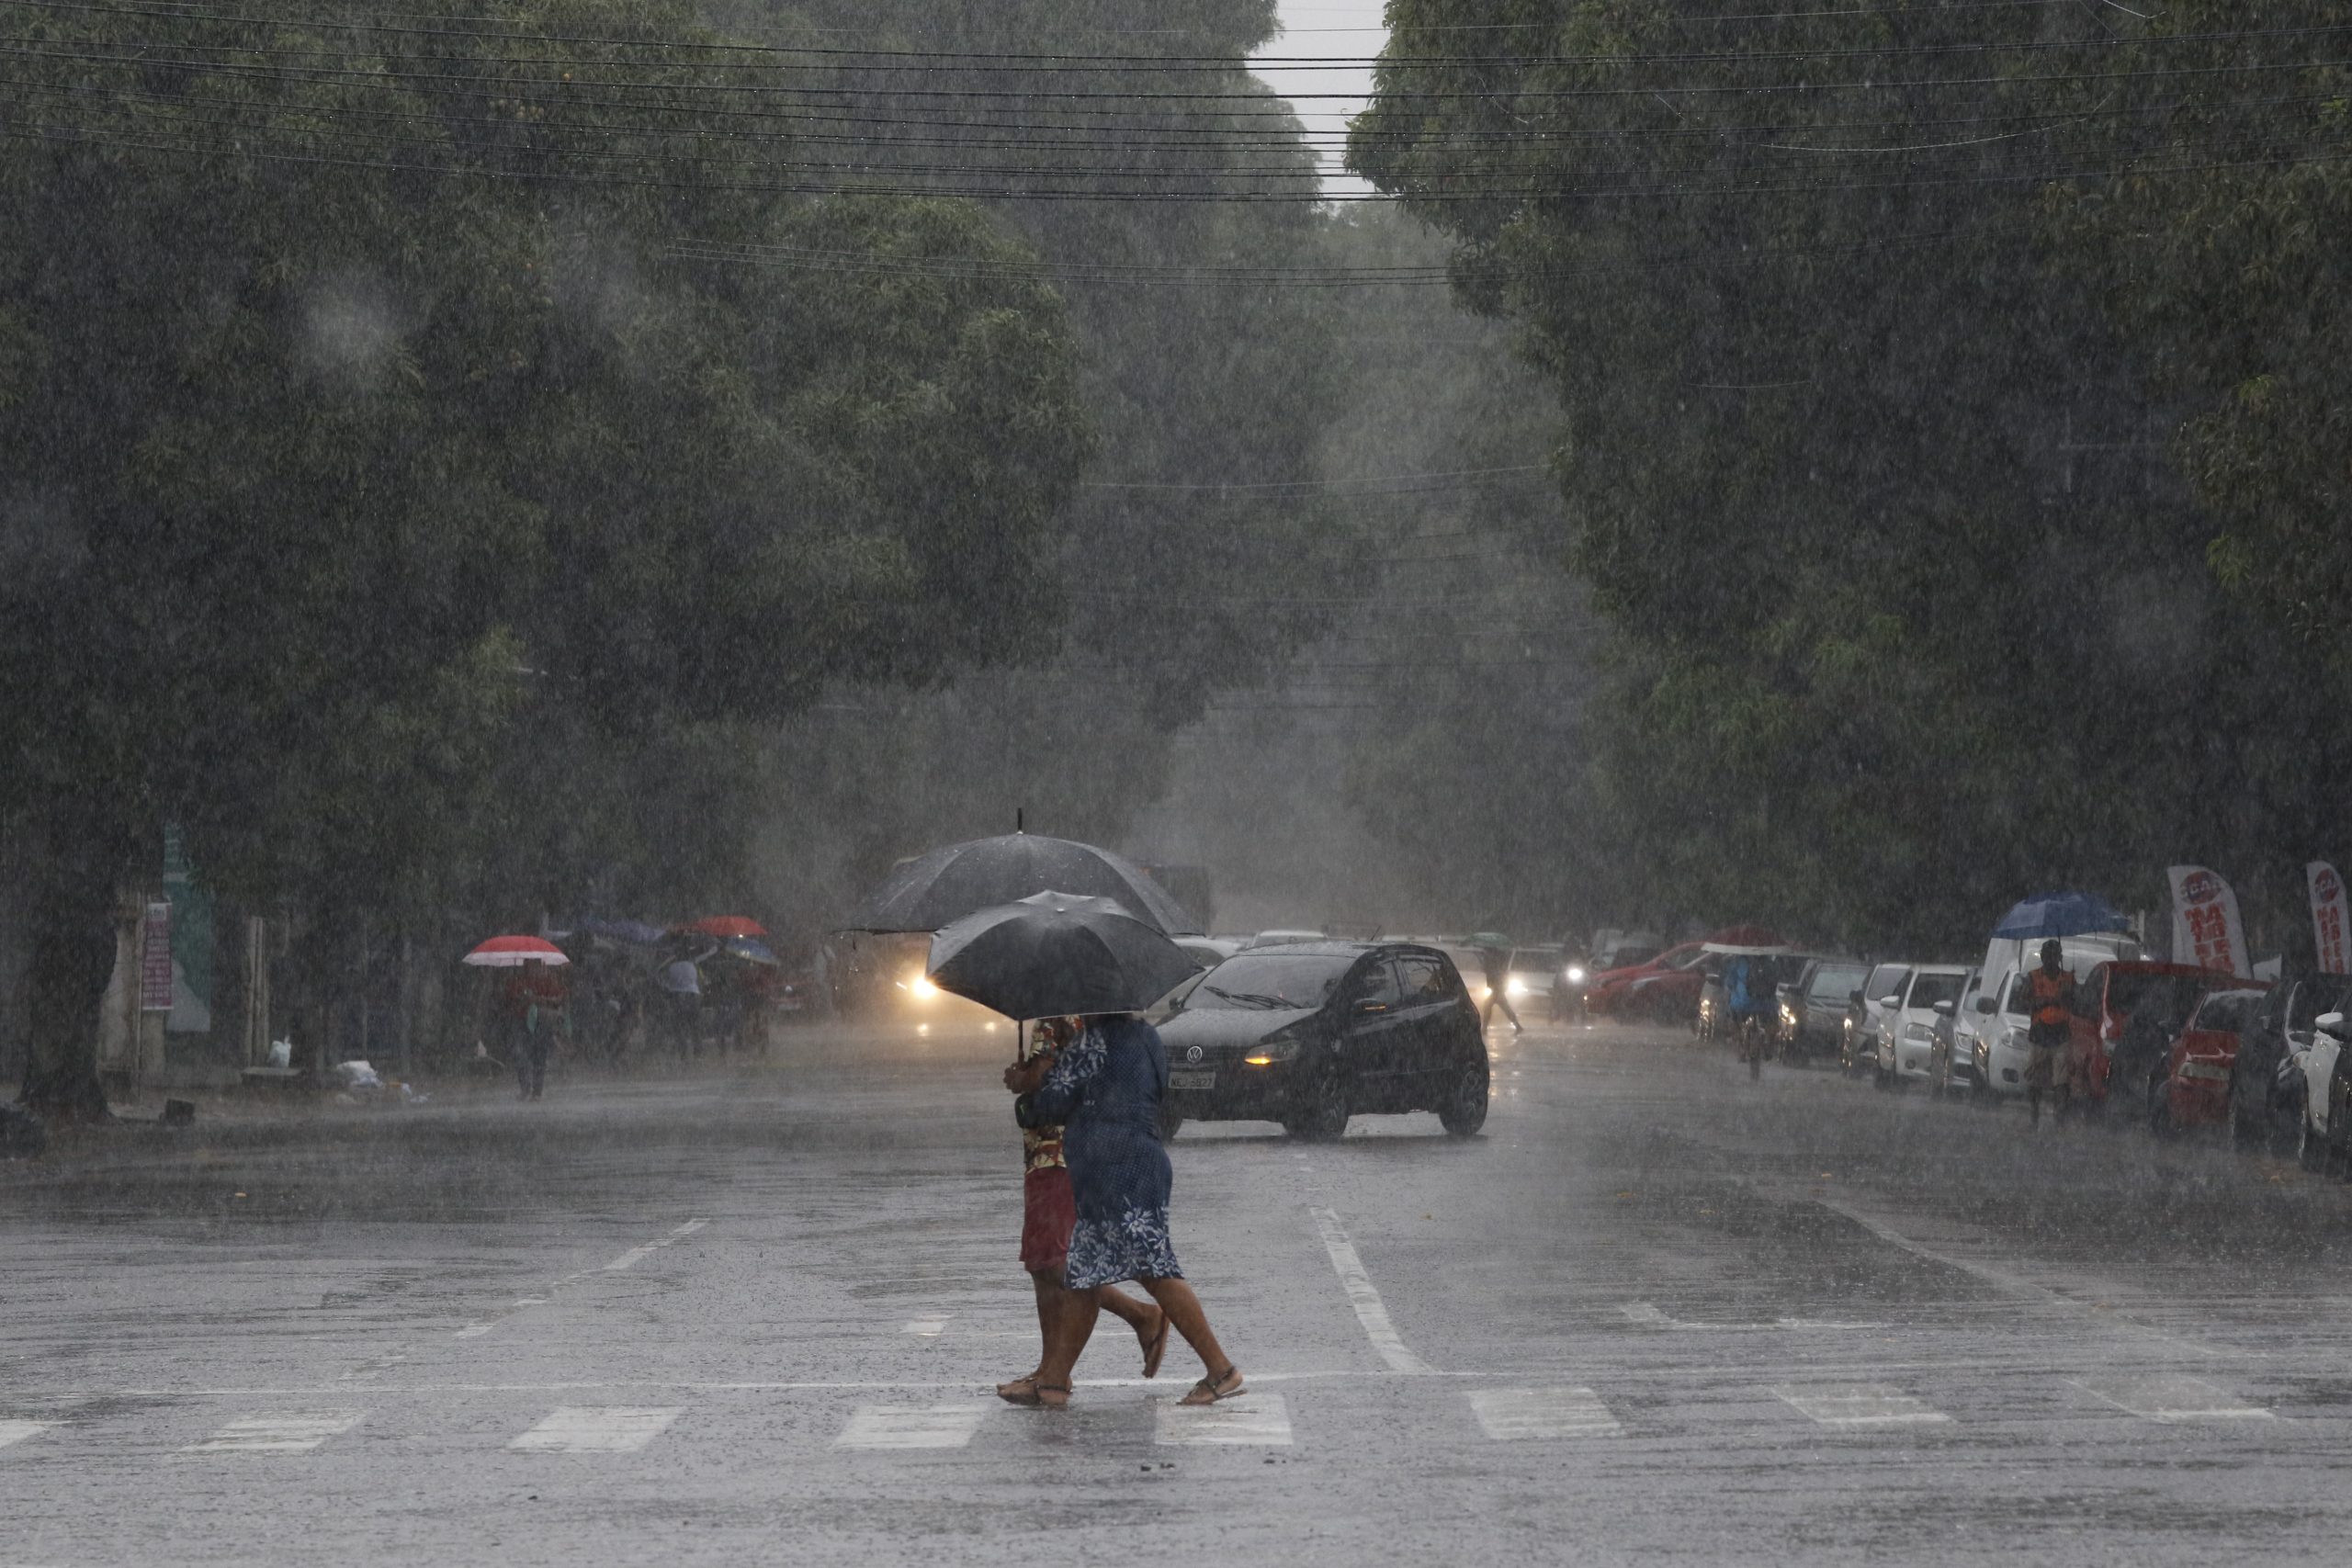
<point>2333,1024</point>
<point>1890,1001</point>
<point>1944,1008</point>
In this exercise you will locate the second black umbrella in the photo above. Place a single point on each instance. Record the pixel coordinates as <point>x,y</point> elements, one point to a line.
<point>1055,955</point>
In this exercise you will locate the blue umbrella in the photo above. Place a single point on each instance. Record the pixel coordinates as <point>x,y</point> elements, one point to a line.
<point>2059,914</point>
<point>635,933</point>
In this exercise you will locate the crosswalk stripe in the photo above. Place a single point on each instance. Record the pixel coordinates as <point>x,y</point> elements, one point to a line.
<point>598,1429</point>
<point>1258,1419</point>
<point>1517,1415</point>
<point>911,1426</point>
<point>17,1431</point>
<point>1860,1405</point>
<point>288,1432</point>
<point>2170,1396</point>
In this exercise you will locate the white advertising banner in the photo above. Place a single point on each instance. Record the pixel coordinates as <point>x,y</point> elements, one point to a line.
<point>2206,930</point>
<point>2331,931</point>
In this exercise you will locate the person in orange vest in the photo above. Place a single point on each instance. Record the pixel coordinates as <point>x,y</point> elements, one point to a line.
<point>2049,1004</point>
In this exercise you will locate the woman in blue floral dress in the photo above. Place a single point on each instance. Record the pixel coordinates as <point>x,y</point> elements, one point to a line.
<point>1105,1087</point>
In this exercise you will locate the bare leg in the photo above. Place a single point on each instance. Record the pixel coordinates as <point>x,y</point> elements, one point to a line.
<point>1183,1309</point>
<point>1070,1325</point>
<point>1141,1317</point>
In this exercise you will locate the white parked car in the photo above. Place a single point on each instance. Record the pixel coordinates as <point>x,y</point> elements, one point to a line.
<point>2326,1072</point>
<point>1862,1037</point>
<point>1999,1030</point>
<point>1954,1067</point>
<point>1906,1041</point>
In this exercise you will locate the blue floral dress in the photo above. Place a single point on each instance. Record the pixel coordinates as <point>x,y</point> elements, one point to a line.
<point>1105,1089</point>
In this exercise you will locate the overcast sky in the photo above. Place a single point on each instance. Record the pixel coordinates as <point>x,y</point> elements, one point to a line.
<point>1343,32</point>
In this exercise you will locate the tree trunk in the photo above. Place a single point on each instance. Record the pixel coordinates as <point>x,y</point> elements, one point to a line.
<point>72,959</point>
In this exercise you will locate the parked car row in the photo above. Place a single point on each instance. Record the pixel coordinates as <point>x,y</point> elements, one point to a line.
<point>2166,1046</point>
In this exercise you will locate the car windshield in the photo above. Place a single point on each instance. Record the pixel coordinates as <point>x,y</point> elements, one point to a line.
<point>1929,989</point>
<point>1536,960</point>
<point>2321,993</point>
<point>1885,981</point>
<point>1291,980</point>
<point>1835,983</point>
<point>2170,995</point>
<point>2224,1011</point>
<point>1632,956</point>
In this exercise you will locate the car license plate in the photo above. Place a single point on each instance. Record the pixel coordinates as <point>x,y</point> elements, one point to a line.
<point>1179,1078</point>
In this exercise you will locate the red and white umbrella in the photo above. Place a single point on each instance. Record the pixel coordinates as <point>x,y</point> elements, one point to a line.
<point>513,952</point>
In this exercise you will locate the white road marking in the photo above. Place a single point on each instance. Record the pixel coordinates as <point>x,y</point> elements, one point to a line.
<point>928,1327</point>
<point>637,1255</point>
<point>911,1426</point>
<point>598,1429</point>
<point>1860,1405</point>
<point>2170,1396</point>
<point>292,1433</point>
<point>1515,1415</point>
<point>1260,1420</point>
<point>1371,1311</point>
<point>17,1431</point>
<point>1649,1316</point>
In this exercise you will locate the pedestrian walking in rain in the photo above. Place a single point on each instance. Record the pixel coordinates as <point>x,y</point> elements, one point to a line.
<point>679,984</point>
<point>1105,1087</point>
<point>532,1007</point>
<point>1497,965</point>
<point>2049,1003</point>
<point>1049,1215</point>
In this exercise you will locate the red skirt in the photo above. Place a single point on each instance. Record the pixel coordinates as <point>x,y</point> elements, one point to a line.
<point>1049,1214</point>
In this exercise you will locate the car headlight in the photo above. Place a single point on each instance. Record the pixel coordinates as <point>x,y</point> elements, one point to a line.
<point>1268,1052</point>
<point>1515,986</point>
<point>920,987</point>
<point>1573,974</point>
<point>1919,1032</point>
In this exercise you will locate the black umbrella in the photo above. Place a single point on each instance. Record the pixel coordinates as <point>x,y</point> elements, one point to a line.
<point>1055,955</point>
<point>944,886</point>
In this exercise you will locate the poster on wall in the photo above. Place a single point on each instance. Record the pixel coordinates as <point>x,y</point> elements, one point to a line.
<point>155,959</point>
<point>2331,933</point>
<point>2206,930</point>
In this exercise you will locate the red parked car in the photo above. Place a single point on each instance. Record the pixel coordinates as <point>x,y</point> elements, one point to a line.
<point>1667,989</point>
<point>1613,991</point>
<point>2127,1016</point>
<point>2197,1069</point>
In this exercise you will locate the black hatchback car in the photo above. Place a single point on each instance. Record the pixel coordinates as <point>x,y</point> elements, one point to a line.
<point>1309,1033</point>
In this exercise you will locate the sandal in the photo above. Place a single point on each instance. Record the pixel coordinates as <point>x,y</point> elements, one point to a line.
<point>1053,1395</point>
<point>1210,1390</point>
<point>1020,1390</point>
<point>1155,1347</point>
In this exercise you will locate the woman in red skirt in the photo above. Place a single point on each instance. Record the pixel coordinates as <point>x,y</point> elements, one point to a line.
<point>1048,1215</point>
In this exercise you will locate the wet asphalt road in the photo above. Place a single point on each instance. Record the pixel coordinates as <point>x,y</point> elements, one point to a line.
<point>1654,1313</point>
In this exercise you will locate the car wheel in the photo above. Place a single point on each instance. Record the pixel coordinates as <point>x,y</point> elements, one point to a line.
<point>1463,1111</point>
<point>1319,1115</point>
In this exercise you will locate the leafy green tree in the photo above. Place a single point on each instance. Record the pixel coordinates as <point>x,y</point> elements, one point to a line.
<point>356,382</point>
<point>1913,616</point>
